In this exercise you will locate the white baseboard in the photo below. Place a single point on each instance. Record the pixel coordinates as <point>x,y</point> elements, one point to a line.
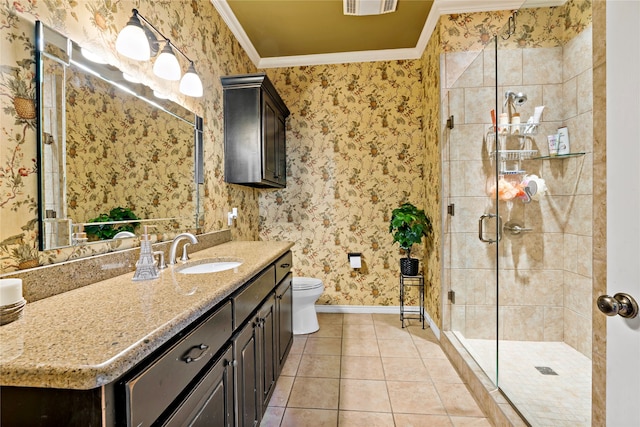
<point>375,309</point>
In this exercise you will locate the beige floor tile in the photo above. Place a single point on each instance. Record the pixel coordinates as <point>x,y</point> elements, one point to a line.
<point>362,368</point>
<point>358,330</point>
<point>281,393</point>
<point>457,400</point>
<point>391,332</point>
<point>365,419</point>
<point>272,416</point>
<point>332,330</point>
<point>319,366</point>
<point>404,369</point>
<point>398,348</point>
<point>389,319</point>
<point>470,422</point>
<point>360,347</point>
<point>417,420</point>
<point>316,393</point>
<point>364,395</point>
<point>413,321</point>
<point>358,319</point>
<point>298,417</point>
<point>429,350</point>
<point>442,371</point>
<point>426,334</point>
<point>320,345</point>
<point>415,398</point>
<point>299,342</point>
<point>330,318</point>
<point>290,367</point>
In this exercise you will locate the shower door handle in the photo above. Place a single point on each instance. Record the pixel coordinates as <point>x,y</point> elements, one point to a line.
<point>481,228</point>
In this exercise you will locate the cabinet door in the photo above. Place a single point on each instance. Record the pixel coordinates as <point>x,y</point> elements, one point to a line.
<point>284,295</point>
<point>268,351</point>
<point>270,140</point>
<point>210,403</point>
<point>246,355</point>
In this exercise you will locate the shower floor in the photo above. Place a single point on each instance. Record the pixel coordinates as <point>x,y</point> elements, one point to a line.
<point>543,398</point>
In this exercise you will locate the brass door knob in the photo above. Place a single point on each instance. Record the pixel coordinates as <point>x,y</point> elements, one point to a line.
<point>621,303</point>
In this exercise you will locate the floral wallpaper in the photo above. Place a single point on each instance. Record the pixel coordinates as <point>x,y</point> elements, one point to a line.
<point>354,153</point>
<point>535,27</point>
<point>136,159</point>
<point>194,26</point>
<point>433,174</point>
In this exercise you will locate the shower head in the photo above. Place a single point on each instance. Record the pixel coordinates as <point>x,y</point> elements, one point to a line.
<point>513,98</point>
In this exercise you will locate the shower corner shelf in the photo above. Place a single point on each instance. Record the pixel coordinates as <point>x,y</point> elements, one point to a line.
<point>515,154</point>
<point>559,156</point>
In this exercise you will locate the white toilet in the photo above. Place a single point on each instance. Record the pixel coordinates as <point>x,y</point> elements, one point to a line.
<point>306,291</point>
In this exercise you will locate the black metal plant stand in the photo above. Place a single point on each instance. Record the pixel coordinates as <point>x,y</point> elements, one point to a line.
<point>407,313</point>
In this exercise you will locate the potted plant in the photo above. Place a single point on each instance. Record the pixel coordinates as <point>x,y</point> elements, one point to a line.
<point>408,225</point>
<point>107,231</point>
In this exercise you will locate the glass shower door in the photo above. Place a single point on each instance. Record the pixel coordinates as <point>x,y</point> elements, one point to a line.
<point>472,225</point>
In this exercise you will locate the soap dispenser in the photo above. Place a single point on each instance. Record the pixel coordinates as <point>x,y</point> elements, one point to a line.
<point>145,267</point>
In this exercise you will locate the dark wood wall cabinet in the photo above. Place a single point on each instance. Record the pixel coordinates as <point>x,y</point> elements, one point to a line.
<point>220,371</point>
<point>254,132</point>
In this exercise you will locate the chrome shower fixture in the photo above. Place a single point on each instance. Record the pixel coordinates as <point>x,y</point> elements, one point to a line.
<point>516,99</point>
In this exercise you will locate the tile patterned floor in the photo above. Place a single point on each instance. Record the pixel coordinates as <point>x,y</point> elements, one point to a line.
<point>365,370</point>
<point>562,400</point>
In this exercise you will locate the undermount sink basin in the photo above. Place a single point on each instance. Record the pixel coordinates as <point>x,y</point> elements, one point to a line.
<point>213,266</point>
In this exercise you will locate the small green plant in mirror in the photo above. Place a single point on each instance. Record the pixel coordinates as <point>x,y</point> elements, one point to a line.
<point>108,231</point>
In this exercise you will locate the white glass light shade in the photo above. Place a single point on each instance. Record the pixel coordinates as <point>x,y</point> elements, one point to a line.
<point>130,78</point>
<point>160,95</point>
<point>132,41</point>
<point>93,57</point>
<point>191,85</point>
<point>167,66</point>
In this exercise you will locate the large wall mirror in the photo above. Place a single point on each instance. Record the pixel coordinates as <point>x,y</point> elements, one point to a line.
<point>113,154</point>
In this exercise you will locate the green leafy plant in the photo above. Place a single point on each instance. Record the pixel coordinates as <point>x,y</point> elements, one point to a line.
<point>408,225</point>
<point>107,231</point>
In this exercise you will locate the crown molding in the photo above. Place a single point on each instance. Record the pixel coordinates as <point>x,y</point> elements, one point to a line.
<point>232,22</point>
<point>439,8</point>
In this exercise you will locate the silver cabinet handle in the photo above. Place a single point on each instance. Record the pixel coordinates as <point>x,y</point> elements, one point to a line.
<point>621,303</point>
<point>481,228</point>
<point>202,348</point>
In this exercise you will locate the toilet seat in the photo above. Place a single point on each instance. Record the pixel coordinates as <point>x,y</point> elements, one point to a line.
<point>306,283</point>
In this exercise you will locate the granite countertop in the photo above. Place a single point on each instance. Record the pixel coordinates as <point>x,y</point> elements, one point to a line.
<point>90,336</point>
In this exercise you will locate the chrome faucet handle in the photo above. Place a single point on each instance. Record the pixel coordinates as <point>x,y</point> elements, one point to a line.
<point>185,255</point>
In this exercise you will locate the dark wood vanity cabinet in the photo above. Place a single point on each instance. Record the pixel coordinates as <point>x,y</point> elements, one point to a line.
<point>220,371</point>
<point>254,132</point>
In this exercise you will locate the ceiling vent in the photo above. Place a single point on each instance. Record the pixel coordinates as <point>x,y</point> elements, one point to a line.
<point>369,7</point>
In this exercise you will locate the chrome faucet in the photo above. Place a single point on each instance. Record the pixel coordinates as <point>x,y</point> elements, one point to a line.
<point>174,246</point>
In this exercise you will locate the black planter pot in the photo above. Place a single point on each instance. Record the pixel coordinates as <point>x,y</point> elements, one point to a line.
<point>409,266</point>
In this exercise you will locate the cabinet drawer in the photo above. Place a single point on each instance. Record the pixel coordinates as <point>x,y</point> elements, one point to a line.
<point>283,266</point>
<point>250,297</point>
<point>152,391</point>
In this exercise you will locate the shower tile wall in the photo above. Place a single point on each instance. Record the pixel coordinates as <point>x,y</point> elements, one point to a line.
<point>545,275</point>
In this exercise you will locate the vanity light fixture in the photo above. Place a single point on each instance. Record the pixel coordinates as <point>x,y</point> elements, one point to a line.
<point>93,57</point>
<point>132,40</point>
<point>191,85</point>
<point>167,66</point>
<point>137,41</point>
<point>130,78</point>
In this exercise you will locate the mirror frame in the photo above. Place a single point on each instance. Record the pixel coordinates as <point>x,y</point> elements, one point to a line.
<point>71,52</point>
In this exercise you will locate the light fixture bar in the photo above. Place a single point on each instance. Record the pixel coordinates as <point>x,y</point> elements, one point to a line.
<point>166,66</point>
